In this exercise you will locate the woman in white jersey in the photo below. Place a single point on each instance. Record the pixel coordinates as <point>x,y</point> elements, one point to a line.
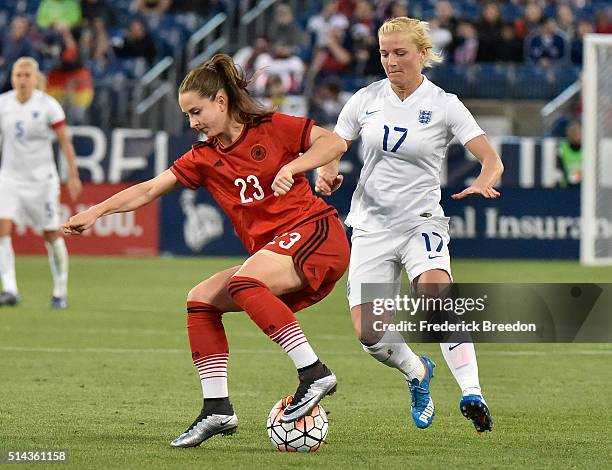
<point>29,183</point>
<point>405,123</point>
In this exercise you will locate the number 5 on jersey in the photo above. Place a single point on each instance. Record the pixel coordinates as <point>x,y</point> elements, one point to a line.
<point>257,190</point>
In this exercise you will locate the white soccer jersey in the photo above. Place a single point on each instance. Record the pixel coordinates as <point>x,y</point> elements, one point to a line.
<point>27,136</point>
<point>404,143</point>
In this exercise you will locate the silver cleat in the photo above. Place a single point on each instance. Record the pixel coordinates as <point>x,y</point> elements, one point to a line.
<point>314,394</point>
<point>205,429</point>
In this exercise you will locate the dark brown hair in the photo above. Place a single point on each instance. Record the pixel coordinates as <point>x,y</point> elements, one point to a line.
<point>220,73</point>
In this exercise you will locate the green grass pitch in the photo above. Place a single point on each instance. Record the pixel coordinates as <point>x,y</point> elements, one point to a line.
<point>111,380</point>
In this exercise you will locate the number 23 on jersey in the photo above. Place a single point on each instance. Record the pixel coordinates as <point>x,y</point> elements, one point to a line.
<point>249,189</point>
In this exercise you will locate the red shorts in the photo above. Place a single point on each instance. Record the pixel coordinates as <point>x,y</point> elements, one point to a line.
<point>320,250</point>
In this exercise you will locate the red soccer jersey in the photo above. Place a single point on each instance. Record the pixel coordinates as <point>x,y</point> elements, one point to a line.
<point>240,178</point>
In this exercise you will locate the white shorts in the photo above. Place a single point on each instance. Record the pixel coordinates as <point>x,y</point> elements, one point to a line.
<point>378,257</point>
<point>32,203</point>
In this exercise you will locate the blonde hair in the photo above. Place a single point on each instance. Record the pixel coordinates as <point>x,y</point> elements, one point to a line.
<point>419,32</point>
<point>26,61</point>
<point>41,81</point>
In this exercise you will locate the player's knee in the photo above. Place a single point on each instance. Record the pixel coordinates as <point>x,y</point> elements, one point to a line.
<point>199,293</point>
<point>366,334</point>
<point>51,236</point>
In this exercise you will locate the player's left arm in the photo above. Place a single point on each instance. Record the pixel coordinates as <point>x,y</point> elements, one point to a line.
<point>492,169</point>
<point>74,182</point>
<point>324,147</point>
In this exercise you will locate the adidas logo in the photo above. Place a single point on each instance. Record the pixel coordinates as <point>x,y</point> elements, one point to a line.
<point>218,163</point>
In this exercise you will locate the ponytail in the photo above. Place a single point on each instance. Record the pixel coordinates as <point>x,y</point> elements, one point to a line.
<point>220,73</point>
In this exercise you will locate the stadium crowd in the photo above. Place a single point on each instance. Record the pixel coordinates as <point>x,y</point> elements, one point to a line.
<point>331,44</point>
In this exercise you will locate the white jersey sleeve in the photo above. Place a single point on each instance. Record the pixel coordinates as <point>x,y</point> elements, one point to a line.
<point>348,126</point>
<point>460,121</point>
<point>54,112</point>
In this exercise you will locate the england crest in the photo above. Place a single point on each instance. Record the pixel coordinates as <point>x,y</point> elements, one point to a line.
<point>424,117</point>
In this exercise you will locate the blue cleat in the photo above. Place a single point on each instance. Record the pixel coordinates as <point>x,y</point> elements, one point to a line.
<point>475,408</point>
<point>422,406</point>
<point>58,302</point>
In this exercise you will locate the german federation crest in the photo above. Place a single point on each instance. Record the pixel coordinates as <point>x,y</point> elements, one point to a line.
<point>424,117</point>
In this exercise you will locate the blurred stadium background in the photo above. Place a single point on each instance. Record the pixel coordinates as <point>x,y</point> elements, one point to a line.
<point>115,66</point>
<point>111,377</point>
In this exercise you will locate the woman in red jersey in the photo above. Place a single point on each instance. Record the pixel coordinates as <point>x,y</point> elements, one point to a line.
<point>297,244</point>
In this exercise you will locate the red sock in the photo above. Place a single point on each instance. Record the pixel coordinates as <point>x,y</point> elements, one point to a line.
<point>273,317</point>
<point>209,348</point>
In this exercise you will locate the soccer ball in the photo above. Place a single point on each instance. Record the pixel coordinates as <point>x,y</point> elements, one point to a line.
<point>303,435</point>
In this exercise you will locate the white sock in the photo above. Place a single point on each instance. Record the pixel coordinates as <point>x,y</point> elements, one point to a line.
<point>461,360</point>
<point>58,260</point>
<point>393,351</point>
<point>213,375</point>
<point>7,266</point>
<point>291,338</point>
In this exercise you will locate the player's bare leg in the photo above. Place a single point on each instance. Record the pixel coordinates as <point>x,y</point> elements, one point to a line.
<point>58,262</point>
<point>256,287</point>
<point>9,294</point>
<point>390,349</point>
<point>460,357</point>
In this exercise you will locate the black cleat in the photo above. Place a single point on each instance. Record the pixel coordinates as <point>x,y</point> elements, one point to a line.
<point>315,383</point>
<point>8,299</point>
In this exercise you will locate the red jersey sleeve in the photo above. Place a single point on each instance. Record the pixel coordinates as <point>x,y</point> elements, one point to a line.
<point>293,131</point>
<point>186,170</point>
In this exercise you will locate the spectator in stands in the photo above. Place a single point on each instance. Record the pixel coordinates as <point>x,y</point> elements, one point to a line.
<point>285,29</point>
<point>393,9</point>
<point>362,42</point>
<point>547,45</point>
<point>603,20</point>
<point>152,10</point>
<point>510,47</point>
<point>445,15</point>
<point>52,12</point>
<point>489,33</point>
<point>16,43</point>
<point>465,46</point>
<point>281,64</point>
<point>246,56</point>
<point>441,37</point>
<point>92,9</point>
<point>332,57</point>
<point>326,104</point>
<point>95,44</point>
<point>569,158</point>
<point>531,19</point>
<point>327,26</point>
<point>70,82</point>
<point>276,92</point>
<point>584,27</point>
<point>137,42</point>
<point>566,20</point>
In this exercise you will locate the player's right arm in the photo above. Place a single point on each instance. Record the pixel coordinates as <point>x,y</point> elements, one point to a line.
<point>124,201</point>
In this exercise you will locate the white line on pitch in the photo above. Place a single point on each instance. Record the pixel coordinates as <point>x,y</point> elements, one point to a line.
<point>585,352</point>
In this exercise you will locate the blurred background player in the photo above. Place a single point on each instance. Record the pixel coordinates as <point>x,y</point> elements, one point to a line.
<point>406,123</point>
<point>569,157</point>
<point>297,244</point>
<point>29,182</point>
